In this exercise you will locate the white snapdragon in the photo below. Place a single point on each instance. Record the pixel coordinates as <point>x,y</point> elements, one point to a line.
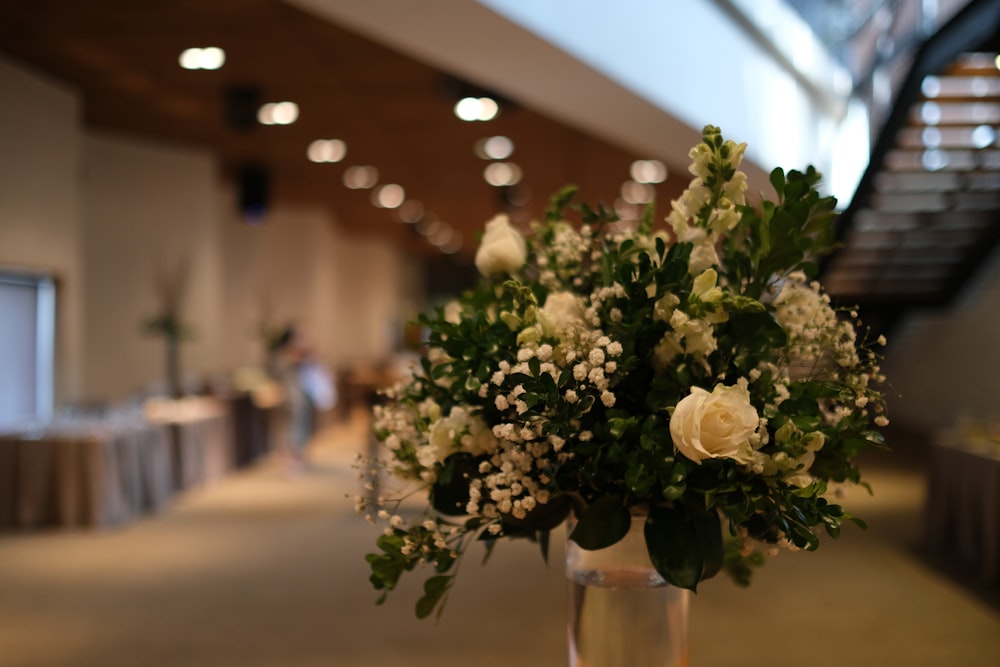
<point>697,334</point>
<point>503,249</point>
<point>703,256</point>
<point>705,286</point>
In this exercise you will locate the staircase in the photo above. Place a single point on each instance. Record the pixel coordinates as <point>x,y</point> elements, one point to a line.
<point>926,214</point>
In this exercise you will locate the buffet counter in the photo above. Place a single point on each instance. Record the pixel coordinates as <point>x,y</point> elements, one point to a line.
<point>963,504</point>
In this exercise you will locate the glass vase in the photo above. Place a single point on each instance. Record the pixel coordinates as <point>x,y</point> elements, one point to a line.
<point>621,611</point>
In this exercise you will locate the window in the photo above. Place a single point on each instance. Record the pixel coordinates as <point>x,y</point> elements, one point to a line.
<point>27,340</point>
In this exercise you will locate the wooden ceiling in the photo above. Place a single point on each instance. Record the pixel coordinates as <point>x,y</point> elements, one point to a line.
<point>392,112</point>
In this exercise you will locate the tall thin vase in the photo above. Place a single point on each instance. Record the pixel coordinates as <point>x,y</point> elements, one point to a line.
<point>621,611</point>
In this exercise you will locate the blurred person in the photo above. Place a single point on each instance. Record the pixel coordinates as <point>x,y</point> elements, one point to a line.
<point>308,388</point>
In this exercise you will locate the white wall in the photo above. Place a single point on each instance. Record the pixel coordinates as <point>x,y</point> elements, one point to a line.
<point>40,147</point>
<point>142,210</point>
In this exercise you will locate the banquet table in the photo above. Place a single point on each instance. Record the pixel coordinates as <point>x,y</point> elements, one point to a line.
<point>963,504</point>
<point>201,441</point>
<point>253,422</point>
<point>109,469</point>
<point>87,473</point>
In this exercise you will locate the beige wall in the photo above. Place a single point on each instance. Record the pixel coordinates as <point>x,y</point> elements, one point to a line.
<point>40,147</point>
<point>111,215</point>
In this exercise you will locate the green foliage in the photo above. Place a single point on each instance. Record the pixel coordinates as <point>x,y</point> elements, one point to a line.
<point>556,388</point>
<point>168,326</point>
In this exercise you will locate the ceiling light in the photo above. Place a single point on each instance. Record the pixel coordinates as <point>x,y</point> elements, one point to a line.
<point>648,171</point>
<point>627,211</point>
<point>278,113</point>
<point>428,226</point>
<point>476,108</point>
<point>452,246</point>
<point>360,177</point>
<point>211,57</point>
<point>488,109</point>
<point>500,174</point>
<point>327,150</point>
<point>388,196</point>
<point>638,193</point>
<point>498,147</point>
<point>441,236</point>
<point>410,211</point>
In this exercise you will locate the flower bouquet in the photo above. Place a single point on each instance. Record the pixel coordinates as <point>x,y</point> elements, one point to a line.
<point>691,371</point>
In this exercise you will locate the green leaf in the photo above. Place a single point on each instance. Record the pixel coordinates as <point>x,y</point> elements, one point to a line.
<point>434,590</point>
<point>558,202</point>
<point>450,493</point>
<point>708,529</point>
<point>673,546</point>
<point>602,524</point>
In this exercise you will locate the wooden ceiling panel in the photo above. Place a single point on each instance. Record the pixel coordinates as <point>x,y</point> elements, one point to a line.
<point>393,112</point>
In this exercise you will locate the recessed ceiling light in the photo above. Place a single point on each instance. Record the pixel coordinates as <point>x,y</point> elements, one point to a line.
<point>452,246</point>
<point>327,150</point>
<point>278,113</point>
<point>389,195</point>
<point>410,211</point>
<point>648,171</point>
<point>211,57</point>
<point>477,108</point>
<point>638,193</point>
<point>360,177</point>
<point>500,174</point>
<point>497,147</point>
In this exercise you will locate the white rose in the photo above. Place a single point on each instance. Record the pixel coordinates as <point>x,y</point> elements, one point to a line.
<point>502,250</point>
<point>715,425</point>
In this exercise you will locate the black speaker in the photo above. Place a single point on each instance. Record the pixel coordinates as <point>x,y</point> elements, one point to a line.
<point>254,192</point>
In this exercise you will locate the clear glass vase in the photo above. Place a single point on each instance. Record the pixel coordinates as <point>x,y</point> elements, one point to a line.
<point>621,611</point>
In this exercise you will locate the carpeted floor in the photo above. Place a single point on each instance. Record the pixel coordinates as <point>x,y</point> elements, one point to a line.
<point>264,569</point>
